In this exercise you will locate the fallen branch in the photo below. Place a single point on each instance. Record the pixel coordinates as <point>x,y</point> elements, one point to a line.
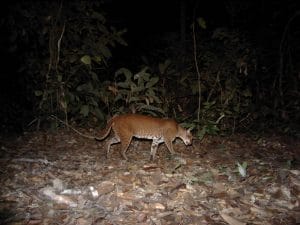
<point>43,161</point>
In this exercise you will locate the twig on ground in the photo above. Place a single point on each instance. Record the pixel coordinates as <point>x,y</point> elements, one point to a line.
<point>43,161</point>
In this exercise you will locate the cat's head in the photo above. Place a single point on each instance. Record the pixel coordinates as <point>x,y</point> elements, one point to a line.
<point>187,136</point>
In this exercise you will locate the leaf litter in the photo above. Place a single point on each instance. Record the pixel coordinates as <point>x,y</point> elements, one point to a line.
<point>63,178</point>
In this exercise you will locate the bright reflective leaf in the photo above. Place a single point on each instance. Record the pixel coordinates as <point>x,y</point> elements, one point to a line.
<point>86,60</point>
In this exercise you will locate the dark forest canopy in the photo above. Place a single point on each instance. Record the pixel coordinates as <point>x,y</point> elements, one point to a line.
<point>64,58</point>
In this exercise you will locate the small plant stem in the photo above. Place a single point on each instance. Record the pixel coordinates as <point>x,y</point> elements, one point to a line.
<point>198,74</point>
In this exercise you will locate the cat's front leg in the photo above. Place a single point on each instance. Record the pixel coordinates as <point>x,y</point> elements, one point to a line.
<point>154,147</point>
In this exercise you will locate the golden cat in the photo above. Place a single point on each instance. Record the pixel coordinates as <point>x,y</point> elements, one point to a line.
<point>125,127</point>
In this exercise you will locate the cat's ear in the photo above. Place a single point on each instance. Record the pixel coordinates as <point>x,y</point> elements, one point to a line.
<point>189,130</point>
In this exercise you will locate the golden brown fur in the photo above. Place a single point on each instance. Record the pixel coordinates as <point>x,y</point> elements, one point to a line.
<point>125,127</point>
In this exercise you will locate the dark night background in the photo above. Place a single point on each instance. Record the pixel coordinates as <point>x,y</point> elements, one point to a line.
<point>228,70</point>
<point>263,35</point>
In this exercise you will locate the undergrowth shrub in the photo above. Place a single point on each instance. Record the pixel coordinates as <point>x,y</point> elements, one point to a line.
<point>65,55</point>
<point>227,63</point>
<point>138,93</point>
<point>80,43</point>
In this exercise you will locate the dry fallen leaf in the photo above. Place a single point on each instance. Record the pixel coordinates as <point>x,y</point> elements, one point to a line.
<point>127,192</point>
<point>105,187</point>
<point>231,220</point>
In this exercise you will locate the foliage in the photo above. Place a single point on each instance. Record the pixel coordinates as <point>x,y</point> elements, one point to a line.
<point>226,91</point>
<point>138,92</point>
<point>74,43</point>
<point>84,63</point>
<point>63,54</point>
<point>226,97</point>
<point>71,72</point>
<point>226,65</point>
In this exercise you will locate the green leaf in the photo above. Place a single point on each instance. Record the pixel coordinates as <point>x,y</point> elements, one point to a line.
<point>72,58</point>
<point>236,108</point>
<point>98,59</point>
<point>99,114</point>
<point>201,22</point>
<point>84,110</point>
<point>98,16</point>
<point>120,40</point>
<point>88,87</point>
<point>134,99</point>
<point>152,82</point>
<point>118,97</point>
<point>150,92</point>
<point>105,51</point>
<point>188,125</point>
<point>123,84</point>
<point>94,76</point>
<point>124,71</point>
<point>201,133</point>
<point>163,66</point>
<point>97,93</point>
<point>194,87</point>
<point>247,93</point>
<point>38,93</point>
<point>142,74</point>
<point>70,97</point>
<point>140,80</point>
<point>184,78</point>
<point>93,102</point>
<point>156,99</point>
<point>135,88</point>
<point>152,108</point>
<point>86,60</point>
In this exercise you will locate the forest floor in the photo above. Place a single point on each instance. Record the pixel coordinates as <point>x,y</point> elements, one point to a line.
<point>63,178</point>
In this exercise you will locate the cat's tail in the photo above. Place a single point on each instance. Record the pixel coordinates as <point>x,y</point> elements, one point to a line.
<point>105,132</point>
